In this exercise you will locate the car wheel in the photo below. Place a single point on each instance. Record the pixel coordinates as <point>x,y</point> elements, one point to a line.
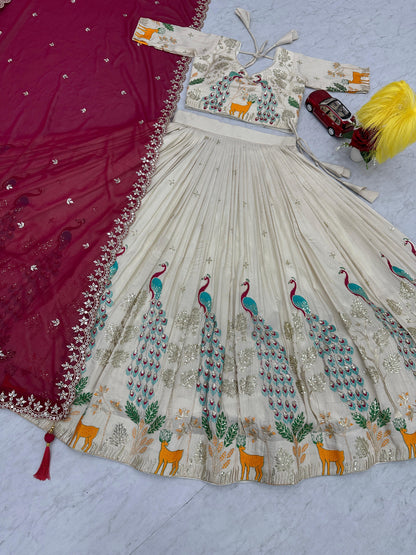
<point>331,131</point>
<point>309,107</point>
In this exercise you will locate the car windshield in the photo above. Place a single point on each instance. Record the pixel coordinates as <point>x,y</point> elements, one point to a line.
<point>338,107</point>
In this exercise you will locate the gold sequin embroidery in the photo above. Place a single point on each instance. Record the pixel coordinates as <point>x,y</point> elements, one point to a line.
<point>189,321</point>
<point>392,363</point>
<point>168,377</point>
<point>358,309</point>
<point>190,353</point>
<point>406,290</point>
<point>394,306</point>
<point>189,377</point>
<point>288,331</point>
<point>119,358</point>
<point>248,385</point>
<point>229,387</point>
<point>317,382</point>
<point>245,357</point>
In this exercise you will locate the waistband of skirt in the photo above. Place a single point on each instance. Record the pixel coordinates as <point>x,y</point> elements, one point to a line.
<point>212,125</point>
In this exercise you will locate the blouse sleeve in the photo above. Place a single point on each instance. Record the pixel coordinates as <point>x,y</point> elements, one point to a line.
<point>172,38</point>
<point>333,76</point>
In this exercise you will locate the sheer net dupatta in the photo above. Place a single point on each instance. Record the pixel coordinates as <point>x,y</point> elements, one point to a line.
<point>80,135</point>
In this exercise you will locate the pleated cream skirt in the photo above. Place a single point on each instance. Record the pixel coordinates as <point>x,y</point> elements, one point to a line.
<point>261,324</point>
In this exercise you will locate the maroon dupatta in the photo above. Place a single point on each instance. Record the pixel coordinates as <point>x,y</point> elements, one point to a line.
<point>83,109</point>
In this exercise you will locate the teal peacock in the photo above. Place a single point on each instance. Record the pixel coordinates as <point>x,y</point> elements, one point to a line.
<point>212,358</point>
<point>152,343</point>
<point>343,374</point>
<point>405,344</point>
<point>277,382</point>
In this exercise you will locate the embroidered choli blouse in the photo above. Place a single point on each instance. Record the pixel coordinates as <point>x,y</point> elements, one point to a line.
<point>220,84</point>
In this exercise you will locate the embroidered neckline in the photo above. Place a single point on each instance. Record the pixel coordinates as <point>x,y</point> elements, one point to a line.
<point>258,73</point>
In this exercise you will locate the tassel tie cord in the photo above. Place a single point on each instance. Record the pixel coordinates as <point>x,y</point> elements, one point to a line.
<point>335,171</point>
<point>261,52</point>
<point>43,471</point>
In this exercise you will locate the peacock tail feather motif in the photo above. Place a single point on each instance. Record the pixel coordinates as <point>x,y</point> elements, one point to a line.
<point>100,319</point>
<point>343,375</point>
<point>220,92</point>
<point>404,341</point>
<point>105,302</point>
<point>152,343</point>
<point>278,384</point>
<point>266,104</point>
<point>212,361</point>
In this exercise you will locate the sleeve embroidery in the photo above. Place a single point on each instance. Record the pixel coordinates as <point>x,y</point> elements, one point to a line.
<point>333,76</point>
<point>173,38</point>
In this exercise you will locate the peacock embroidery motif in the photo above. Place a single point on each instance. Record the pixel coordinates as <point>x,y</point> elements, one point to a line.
<point>9,222</point>
<point>220,92</point>
<point>260,93</point>
<point>404,341</point>
<point>398,271</point>
<point>143,370</point>
<point>343,374</point>
<point>406,242</point>
<point>105,302</point>
<point>278,383</point>
<point>212,358</point>
<point>36,278</point>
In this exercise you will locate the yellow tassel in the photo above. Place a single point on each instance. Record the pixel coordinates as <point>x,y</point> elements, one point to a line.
<point>391,113</point>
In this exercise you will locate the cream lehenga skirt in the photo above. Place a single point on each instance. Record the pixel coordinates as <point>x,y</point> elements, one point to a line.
<point>261,324</point>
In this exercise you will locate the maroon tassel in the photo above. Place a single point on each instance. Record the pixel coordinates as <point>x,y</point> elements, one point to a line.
<point>43,472</point>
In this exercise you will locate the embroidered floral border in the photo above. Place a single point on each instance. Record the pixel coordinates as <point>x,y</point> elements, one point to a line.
<point>4,2</point>
<point>30,406</point>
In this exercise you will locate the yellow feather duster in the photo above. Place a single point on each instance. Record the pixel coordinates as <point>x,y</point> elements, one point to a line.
<point>391,114</point>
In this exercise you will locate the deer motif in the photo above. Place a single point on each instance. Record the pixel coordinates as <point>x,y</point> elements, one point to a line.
<point>359,77</point>
<point>166,456</point>
<point>241,109</point>
<point>146,34</point>
<point>87,432</point>
<point>331,455</point>
<point>410,441</point>
<point>251,461</point>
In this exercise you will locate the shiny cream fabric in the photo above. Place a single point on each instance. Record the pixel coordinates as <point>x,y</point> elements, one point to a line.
<point>221,85</point>
<point>252,329</point>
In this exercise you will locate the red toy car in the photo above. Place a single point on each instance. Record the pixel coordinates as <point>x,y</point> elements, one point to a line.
<point>331,112</point>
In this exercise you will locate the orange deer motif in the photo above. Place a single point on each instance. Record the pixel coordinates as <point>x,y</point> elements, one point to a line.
<point>166,456</point>
<point>331,455</point>
<point>410,441</point>
<point>251,461</point>
<point>242,110</point>
<point>87,432</point>
<point>146,34</point>
<point>359,77</point>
